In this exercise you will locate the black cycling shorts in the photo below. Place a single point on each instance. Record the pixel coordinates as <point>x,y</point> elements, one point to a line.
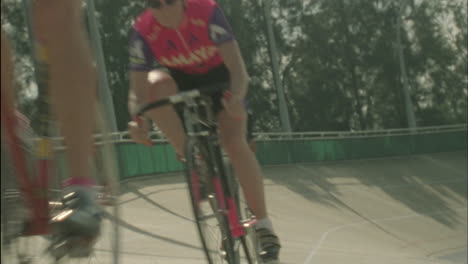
<point>218,76</point>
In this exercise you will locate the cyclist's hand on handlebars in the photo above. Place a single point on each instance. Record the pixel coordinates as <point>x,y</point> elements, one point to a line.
<point>139,131</point>
<point>234,105</point>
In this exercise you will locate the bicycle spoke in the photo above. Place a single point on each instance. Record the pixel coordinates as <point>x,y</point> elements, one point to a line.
<point>206,211</point>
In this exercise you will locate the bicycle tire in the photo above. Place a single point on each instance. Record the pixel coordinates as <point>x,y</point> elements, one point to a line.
<point>34,249</point>
<point>249,241</point>
<point>211,222</point>
<point>230,243</point>
<point>249,244</point>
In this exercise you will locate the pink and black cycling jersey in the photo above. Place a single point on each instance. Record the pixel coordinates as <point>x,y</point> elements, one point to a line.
<point>191,48</point>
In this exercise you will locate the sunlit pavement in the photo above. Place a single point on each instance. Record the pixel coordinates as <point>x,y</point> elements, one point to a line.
<point>410,210</point>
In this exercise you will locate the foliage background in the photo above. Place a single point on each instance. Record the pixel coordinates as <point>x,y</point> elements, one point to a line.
<point>339,62</point>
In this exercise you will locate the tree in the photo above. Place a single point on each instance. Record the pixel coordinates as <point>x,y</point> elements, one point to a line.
<point>347,65</point>
<point>338,61</point>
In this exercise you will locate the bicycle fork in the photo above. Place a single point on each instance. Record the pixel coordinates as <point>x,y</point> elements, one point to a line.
<point>237,226</point>
<point>228,206</point>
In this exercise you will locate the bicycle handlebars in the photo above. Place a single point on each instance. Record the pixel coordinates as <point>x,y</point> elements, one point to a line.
<point>181,97</point>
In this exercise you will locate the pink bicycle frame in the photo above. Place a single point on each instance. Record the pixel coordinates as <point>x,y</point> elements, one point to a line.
<point>237,229</point>
<point>33,191</point>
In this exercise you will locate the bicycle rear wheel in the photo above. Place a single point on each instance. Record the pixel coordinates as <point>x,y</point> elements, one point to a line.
<point>20,249</point>
<point>211,222</point>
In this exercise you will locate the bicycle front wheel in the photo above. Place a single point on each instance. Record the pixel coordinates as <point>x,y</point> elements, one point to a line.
<point>248,250</point>
<point>211,222</point>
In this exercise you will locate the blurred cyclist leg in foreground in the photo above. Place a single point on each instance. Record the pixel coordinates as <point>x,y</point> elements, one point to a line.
<point>64,50</point>
<point>7,75</point>
<point>59,30</point>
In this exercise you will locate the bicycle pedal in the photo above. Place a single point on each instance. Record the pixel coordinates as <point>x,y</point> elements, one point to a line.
<point>82,247</point>
<point>75,222</point>
<point>73,247</point>
<point>249,222</point>
<point>55,205</point>
<point>106,199</point>
<point>270,256</point>
<point>58,249</point>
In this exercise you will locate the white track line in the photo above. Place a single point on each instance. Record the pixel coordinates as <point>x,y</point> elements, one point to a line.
<point>314,251</point>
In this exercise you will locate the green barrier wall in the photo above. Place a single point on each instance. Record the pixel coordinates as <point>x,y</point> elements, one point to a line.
<point>284,152</point>
<point>137,160</point>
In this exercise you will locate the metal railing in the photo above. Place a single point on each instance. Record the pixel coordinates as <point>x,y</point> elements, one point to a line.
<point>359,134</point>
<point>158,137</point>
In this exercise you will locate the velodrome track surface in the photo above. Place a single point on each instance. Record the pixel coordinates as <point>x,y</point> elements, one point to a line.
<point>403,210</point>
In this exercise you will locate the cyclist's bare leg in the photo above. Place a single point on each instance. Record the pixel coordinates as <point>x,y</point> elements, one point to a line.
<point>247,169</point>
<point>232,135</point>
<point>72,81</point>
<point>58,28</point>
<point>7,74</point>
<point>166,118</point>
<point>253,145</point>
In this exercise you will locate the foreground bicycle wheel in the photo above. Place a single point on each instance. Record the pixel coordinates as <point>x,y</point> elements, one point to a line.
<point>246,247</point>
<point>20,249</point>
<point>211,222</point>
<point>250,243</point>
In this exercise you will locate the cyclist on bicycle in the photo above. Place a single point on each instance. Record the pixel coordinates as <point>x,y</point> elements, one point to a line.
<point>58,28</point>
<point>178,45</point>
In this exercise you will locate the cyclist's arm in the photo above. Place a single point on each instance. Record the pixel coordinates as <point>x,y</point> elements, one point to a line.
<point>222,35</point>
<point>138,89</point>
<point>141,63</point>
<point>232,57</point>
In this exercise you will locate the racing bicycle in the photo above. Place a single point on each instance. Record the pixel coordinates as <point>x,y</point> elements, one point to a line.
<point>224,221</point>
